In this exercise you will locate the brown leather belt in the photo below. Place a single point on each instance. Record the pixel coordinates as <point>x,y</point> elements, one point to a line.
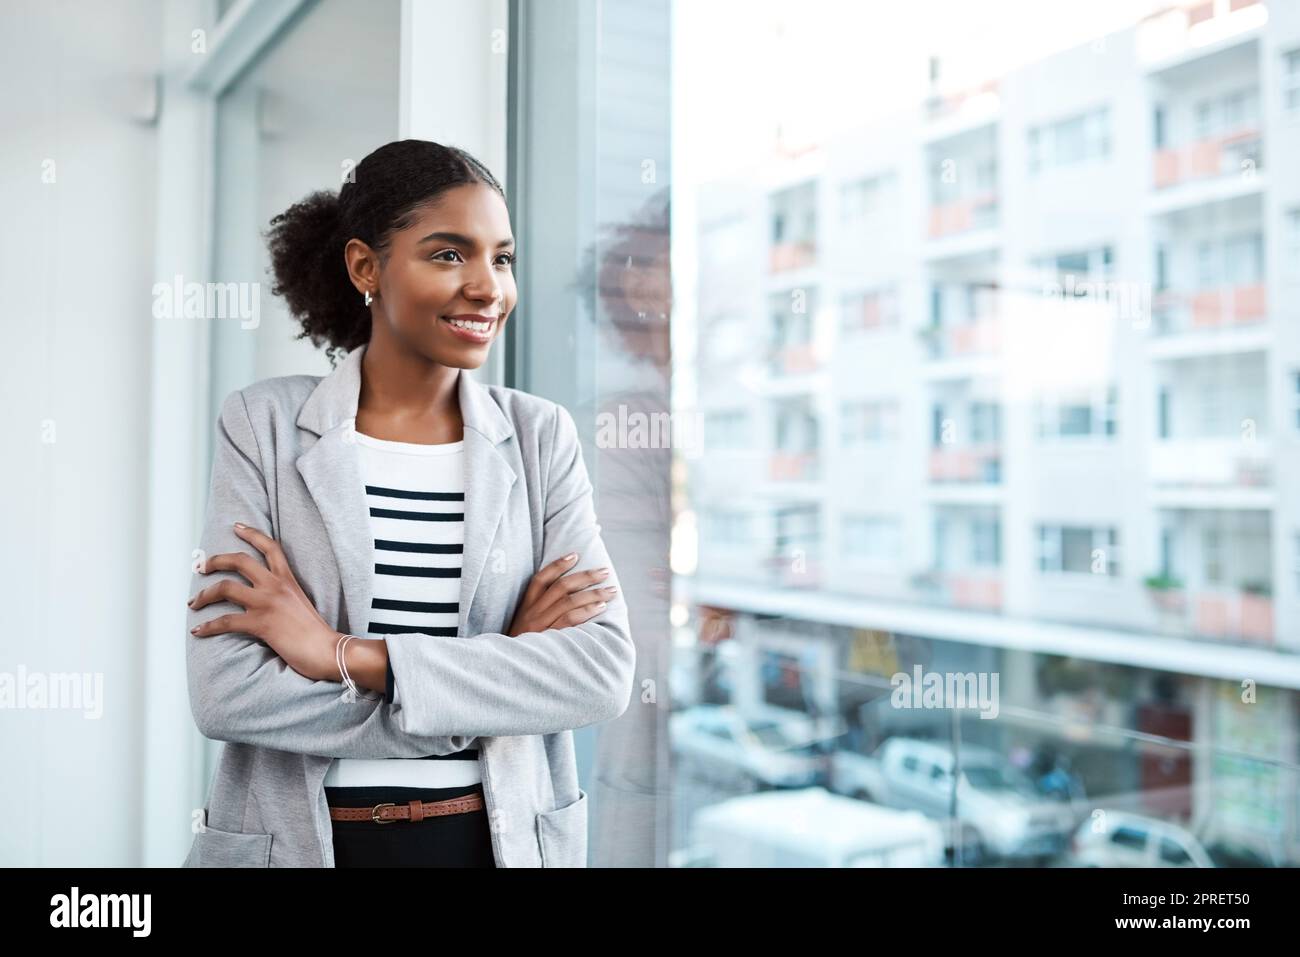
<point>411,811</point>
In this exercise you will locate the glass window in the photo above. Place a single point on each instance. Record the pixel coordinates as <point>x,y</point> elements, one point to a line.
<point>921,418</point>
<point>1129,837</point>
<point>1173,853</point>
<point>1291,80</point>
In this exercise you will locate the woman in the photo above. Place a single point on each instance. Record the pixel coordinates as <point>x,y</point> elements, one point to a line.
<point>402,605</point>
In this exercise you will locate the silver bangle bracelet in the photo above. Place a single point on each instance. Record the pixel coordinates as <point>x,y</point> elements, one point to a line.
<point>340,659</point>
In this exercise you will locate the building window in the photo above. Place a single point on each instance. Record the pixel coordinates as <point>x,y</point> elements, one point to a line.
<point>1243,259</point>
<point>726,528</point>
<point>1078,416</point>
<point>798,527</point>
<point>1291,82</point>
<point>1212,555</point>
<point>873,538</point>
<point>862,199</point>
<point>1293,242</point>
<point>1295,558</point>
<point>869,310</point>
<point>1078,550</point>
<point>986,542</point>
<point>1078,139</point>
<point>1083,265</point>
<point>985,422</point>
<point>1295,398</point>
<point>1228,113</point>
<point>869,422</point>
<point>727,430</point>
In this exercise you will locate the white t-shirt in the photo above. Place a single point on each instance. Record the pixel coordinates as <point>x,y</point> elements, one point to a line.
<point>416,495</point>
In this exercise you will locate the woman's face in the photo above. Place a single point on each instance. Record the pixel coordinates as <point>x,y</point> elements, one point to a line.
<point>454,261</point>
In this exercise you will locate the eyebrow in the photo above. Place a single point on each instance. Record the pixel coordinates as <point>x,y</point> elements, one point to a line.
<point>461,240</point>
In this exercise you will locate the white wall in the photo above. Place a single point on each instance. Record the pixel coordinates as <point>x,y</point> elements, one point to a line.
<point>76,267</point>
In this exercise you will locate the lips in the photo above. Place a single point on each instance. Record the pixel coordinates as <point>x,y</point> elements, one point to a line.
<point>472,335</point>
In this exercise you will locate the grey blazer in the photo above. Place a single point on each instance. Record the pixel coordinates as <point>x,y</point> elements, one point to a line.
<point>285,463</point>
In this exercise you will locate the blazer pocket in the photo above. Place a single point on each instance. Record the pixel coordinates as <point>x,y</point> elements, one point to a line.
<point>214,848</point>
<point>562,834</point>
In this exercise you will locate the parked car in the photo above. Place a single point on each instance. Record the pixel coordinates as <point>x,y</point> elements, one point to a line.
<point>811,827</point>
<point>999,811</point>
<point>720,740</point>
<point>1124,839</point>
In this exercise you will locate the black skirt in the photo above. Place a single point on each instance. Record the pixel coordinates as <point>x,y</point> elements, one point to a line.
<point>450,840</point>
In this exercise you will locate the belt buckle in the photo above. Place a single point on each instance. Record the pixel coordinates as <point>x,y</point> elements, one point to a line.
<point>374,813</point>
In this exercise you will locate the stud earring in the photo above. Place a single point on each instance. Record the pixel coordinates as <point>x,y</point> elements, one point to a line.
<point>369,298</point>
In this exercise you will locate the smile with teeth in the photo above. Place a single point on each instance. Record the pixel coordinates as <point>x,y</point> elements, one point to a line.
<point>471,326</point>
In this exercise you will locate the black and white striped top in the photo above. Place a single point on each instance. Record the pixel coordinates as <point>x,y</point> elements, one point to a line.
<point>416,495</point>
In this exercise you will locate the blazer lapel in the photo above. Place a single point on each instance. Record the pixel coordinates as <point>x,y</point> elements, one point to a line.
<point>332,474</point>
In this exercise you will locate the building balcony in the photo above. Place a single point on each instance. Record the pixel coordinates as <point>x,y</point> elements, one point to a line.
<point>972,589</point>
<point>1215,463</point>
<point>794,467</point>
<point>963,215</point>
<point>1224,308</point>
<point>1186,31</point>
<point>784,257</point>
<point>795,566</point>
<point>1233,154</point>
<point>978,98</point>
<point>1232,614</point>
<point>966,463</point>
<point>793,360</point>
<point>979,337</point>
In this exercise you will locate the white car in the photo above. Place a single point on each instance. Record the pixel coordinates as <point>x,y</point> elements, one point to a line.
<point>811,828</point>
<point>1000,811</point>
<point>719,739</point>
<point>1123,839</point>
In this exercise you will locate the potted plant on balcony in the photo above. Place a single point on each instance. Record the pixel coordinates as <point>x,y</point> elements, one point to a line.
<point>932,335</point>
<point>1166,591</point>
<point>927,583</point>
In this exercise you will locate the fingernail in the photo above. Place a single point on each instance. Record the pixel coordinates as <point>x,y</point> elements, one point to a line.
<point>240,525</point>
<point>194,630</point>
<point>571,556</point>
<point>600,604</point>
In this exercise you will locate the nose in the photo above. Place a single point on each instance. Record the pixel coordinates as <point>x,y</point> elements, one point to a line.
<point>488,291</point>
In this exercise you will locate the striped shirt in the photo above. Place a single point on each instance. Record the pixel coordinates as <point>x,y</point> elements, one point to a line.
<point>416,495</point>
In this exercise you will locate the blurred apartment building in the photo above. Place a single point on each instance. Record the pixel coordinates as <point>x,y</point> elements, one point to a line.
<point>1014,379</point>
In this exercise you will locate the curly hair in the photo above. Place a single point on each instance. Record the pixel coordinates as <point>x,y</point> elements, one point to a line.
<point>388,189</point>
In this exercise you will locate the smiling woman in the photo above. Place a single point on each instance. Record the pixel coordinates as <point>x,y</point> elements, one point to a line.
<point>438,276</point>
<point>410,557</point>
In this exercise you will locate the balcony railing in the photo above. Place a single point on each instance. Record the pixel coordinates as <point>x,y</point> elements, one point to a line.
<point>795,255</point>
<point>793,360</point>
<point>978,337</point>
<point>966,463</point>
<point>1224,308</point>
<point>794,466</point>
<point>795,565</point>
<point>1232,614</point>
<point>1212,463</point>
<point>940,105</point>
<point>972,588</point>
<point>1181,27</point>
<point>1235,153</point>
<point>963,215</point>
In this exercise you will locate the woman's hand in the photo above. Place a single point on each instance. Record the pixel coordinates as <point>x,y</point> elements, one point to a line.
<point>275,608</point>
<point>552,601</point>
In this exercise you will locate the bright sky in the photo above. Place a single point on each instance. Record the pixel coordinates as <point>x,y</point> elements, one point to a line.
<point>833,64</point>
